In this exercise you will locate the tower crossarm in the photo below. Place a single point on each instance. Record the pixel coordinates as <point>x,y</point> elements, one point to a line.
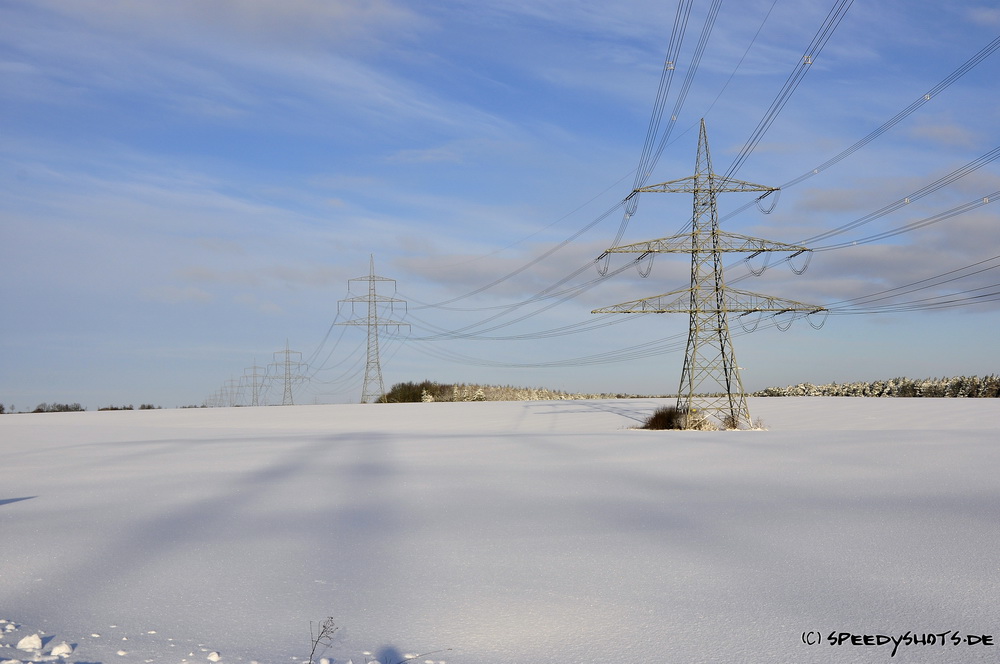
<point>372,277</point>
<point>373,298</point>
<point>717,240</point>
<point>383,322</point>
<point>734,301</point>
<point>673,302</point>
<point>704,182</point>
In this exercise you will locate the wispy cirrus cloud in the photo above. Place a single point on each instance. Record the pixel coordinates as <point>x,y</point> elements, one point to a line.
<point>946,133</point>
<point>177,294</point>
<point>984,15</point>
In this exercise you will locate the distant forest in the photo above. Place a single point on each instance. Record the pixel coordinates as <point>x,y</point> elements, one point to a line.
<point>973,387</point>
<point>73,408</point>
<point>957,387</point>
<point>429,391</point>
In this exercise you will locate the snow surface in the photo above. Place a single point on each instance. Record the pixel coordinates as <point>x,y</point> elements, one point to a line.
<point>506,532</point>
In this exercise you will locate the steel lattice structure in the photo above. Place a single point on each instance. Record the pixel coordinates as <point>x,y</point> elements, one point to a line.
<point>289,369</point>
<point>710,383</point>
<point>255,378</point>
<point>373,386</point>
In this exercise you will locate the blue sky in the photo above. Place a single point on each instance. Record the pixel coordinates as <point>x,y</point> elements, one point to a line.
<point>187,186</point>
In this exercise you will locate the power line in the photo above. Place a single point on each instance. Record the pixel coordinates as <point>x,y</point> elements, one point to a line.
<point>914,196</point>
<point>932,93</point>
<point>862,305</point>
<point>819,40</point>
<point>809,57</point>
<point>649,157</point>
<point>853,305</point>
<point>532,262</point>
<point>556,294</point>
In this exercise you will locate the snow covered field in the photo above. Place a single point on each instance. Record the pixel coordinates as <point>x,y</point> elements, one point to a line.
<point>508,532</point>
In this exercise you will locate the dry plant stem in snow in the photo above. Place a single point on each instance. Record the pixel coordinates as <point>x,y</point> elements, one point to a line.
<point>322,637</point>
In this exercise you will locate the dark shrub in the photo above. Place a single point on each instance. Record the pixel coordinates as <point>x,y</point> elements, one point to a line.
<point>410,392</point>
<point>666,417</point>
<point>402,392</point>
<point>58,408</point>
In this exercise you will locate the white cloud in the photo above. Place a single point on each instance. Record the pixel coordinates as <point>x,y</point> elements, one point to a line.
<point>261,306</point>
<point>989,16</point>
<point>226,61</point>
<point>945,133</point>
<point>271,277</point>
<point>429,155</point>
<point>293,24</point>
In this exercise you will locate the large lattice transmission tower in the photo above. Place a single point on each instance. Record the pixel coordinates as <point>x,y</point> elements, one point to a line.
<point>373,387</point>
<point>710,385</point>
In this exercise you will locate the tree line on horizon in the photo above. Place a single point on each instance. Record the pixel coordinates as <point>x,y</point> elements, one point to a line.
<point>429,391</point>
<point>970,387</point>
<point>73,408</point>
<point>902,387</point>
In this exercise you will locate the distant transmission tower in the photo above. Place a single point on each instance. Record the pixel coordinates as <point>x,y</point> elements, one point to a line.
<point>234,392</point>
<point>289,370</point>
<point>373,387</point>
<point>253,377</point>
<point>710,380</point>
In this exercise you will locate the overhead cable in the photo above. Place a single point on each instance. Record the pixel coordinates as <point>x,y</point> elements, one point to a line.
<point>933,93</point>
<point>812,52</point>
